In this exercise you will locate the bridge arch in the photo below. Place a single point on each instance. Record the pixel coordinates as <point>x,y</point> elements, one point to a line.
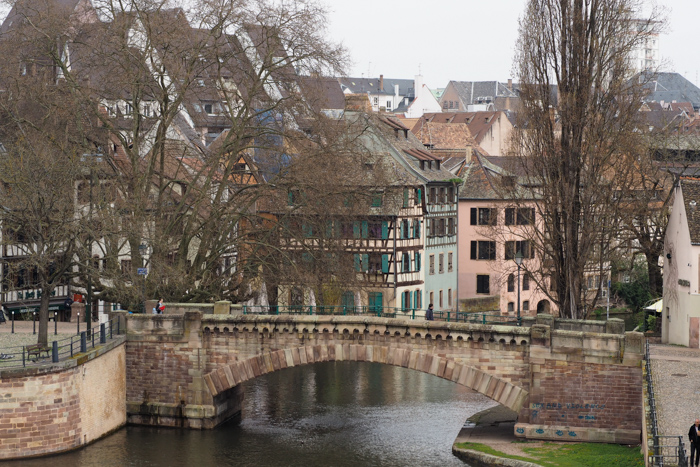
<point>226,377</point>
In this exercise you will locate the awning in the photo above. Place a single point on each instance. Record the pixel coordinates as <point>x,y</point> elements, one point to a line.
<point>33,308</point>
<point>657,306</point>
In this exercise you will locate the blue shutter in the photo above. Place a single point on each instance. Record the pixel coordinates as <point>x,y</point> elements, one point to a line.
<point>385,264</point>
<point>365,263</point>
<point>356,229</point>
<point>385,230</point>
<point>403,301</point>
<point>365,229</point>
<point>357,262</point>
<point>418,261</point>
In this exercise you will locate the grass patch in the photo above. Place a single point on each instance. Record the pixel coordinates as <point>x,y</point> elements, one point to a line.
<point>572,455</point>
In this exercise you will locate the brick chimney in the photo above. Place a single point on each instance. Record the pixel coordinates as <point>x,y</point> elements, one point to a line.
<point>381,82</point>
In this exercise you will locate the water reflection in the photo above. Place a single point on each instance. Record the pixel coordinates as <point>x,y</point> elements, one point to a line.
<point>330,414</point>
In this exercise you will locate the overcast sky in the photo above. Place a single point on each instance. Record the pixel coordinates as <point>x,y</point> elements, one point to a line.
<point>470,40</point>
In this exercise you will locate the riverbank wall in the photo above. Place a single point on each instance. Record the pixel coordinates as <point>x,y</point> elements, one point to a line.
<point>56,407</point>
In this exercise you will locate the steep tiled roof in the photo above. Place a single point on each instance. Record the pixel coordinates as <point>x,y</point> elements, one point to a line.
<point>691,199</point>
<point>471,91</point>
<point>669,87</point>
<point>443,135</point>
<point>372,85</point>
<point>478,122</point>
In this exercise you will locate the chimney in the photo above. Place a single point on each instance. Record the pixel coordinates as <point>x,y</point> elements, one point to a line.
<point>510,84</point>
<point>381,82</point>
<point>417,85</point>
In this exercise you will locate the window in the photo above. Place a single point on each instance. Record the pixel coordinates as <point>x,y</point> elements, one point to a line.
<point>126,266</point>
<point>450,226</point>
<point>451,194</point>
<point>406,300</point>
<point>376,101</point>
<point>520,216</point>
<point>444,105</point>
<point>526,305</point>
<point>511,307</point>
<point>418,299</point>
<point>441,263</point>
<point>450,104</point>
<point>406,263</point>
<point>432,265</point>
<point>441,227</point>
<point>449,261</point>
<point>482,284</point>
<point>523,246</point>
<point>405,197</point>
<point>432,298</point>
<point>483,250</point>
<point>449,298</point>
<point>443,199</point>
<point>511,282</point>
<point>433,195</point>
<point>526,281</point>
<point>417,196</point>
<point>483,216</point>
<point>376,200</point>
<point>378,229</point>
<point>440,296</point>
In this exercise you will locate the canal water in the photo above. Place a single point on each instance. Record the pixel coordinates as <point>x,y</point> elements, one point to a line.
<point>326,414</point>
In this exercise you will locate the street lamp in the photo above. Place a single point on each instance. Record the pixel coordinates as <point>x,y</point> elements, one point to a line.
<point>519,262</point>
<point>88,305</point>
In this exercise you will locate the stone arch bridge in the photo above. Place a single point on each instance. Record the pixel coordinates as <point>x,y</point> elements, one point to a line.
<point>567,380</point>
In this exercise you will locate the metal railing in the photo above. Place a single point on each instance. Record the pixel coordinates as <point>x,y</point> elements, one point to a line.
<point>60,349</point>
<point>381,312</point>
<point>662,454</point>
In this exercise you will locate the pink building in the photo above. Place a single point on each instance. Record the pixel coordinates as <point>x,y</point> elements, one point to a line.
<point>492,230</point>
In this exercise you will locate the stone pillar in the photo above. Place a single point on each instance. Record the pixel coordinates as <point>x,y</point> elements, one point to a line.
<point>615,326</point>
<point>75,308</point>
<point>222,307</point>
<point>541,335</point>
<point>545,319</point>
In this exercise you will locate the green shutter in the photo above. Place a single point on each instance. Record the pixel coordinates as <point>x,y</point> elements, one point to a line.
<point>365,229</point>
<point>290,198</point>
<point>417,255</point>
<point>385,230</point>
<point>419,201</point>
<point>385,264</point>
<point>365,263</point>
<point>307,229</point>
<point>403,301</point>
<point>329,229</point>
<point>356,229</point>
<point>356,257</point>
<point>405,197</point>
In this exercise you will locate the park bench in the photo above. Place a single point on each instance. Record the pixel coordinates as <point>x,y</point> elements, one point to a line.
<point>37,349</point>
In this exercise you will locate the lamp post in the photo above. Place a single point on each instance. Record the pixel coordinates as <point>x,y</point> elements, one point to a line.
<point>88,305</point>
<point>519,262</point>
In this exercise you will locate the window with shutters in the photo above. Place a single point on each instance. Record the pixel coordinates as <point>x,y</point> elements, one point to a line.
<point>449,261</point>
<point>482,284</point>
<point>520,216</point>
<point>483,250</point>
<point>523,246</point>
<point>441,263</point>
<point>431,263</point>
<point>483,216</point>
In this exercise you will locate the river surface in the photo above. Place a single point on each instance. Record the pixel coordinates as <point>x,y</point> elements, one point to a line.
<point>326,414</point>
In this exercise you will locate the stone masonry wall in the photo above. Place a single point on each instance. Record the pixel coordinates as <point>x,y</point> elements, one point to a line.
<point>586,395</point>
<point>45,411</point>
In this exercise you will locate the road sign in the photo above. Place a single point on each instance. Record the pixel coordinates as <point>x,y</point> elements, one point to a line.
<point>142,271</point>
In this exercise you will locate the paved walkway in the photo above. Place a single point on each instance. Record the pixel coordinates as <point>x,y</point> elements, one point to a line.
<point>676,374</point>
<point>12,343</point>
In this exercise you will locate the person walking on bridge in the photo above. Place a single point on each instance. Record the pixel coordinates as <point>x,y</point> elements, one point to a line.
<point>694,436</point>
<point>429,313</point>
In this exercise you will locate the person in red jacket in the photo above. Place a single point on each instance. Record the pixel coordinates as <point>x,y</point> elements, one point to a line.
<point>160,308</point>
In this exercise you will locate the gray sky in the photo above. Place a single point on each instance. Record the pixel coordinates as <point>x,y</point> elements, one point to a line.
<point>469,40</point>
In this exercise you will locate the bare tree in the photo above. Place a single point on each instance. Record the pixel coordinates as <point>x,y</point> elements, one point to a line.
<point>576,140</point>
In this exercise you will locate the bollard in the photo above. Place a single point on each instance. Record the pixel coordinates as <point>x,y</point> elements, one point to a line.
<point>55,323</point>
<point>103,334</point>
<point>78,321</point>
<point>34,322</point>
<point>83,342</point>
<point>54,352</point>
<point>13,322</point>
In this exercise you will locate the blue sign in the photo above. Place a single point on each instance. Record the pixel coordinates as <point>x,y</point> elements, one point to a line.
<point>142,271</point>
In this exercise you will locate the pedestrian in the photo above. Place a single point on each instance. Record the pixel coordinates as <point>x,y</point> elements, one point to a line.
<point>160,308</point>
<point>429,313</point>
<point>694,435</point>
